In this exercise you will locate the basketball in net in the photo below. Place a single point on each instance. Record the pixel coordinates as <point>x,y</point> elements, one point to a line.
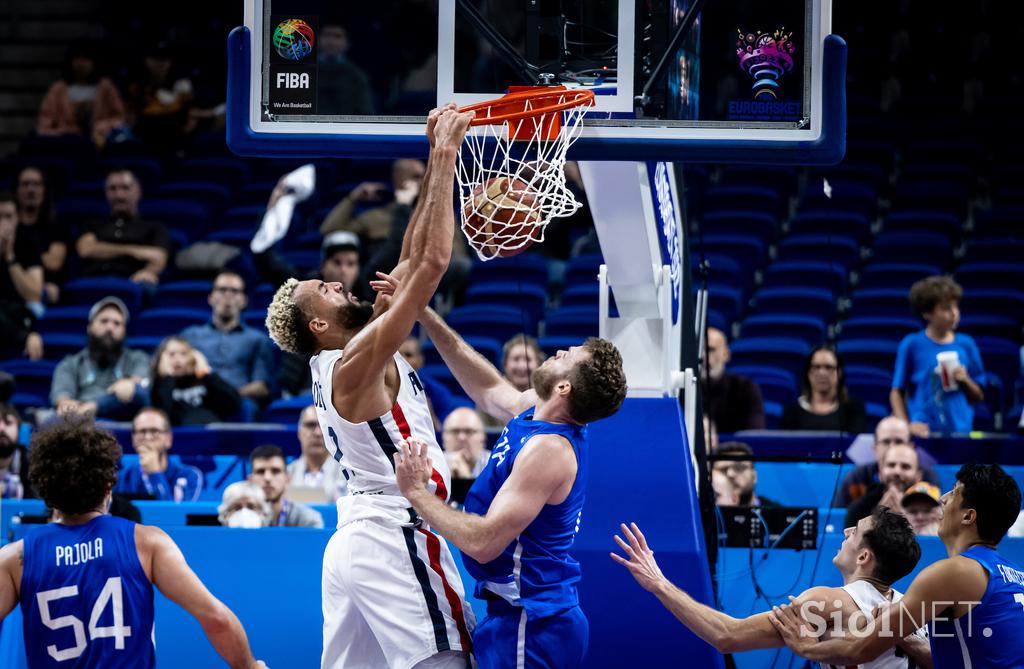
<point>501,218</point>
<point>511,170</point>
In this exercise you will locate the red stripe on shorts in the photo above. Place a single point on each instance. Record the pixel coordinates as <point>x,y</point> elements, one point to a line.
<point>434,552</point>
<point>403,427</point>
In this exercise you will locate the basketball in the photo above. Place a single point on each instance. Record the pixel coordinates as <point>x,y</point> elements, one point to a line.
<point>501,217</point>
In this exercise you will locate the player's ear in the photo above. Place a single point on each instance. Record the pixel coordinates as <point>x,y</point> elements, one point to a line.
<point>563,387</point>
<point>968,517</point>
<point>317,326</point>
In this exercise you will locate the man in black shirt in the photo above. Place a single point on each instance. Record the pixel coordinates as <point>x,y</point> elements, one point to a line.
<point>124,245</point>
<point>733,401</point>
<point>21,284</point>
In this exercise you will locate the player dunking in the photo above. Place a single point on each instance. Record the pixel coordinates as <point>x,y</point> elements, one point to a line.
<point>524,510</point>
<point>85,581</point>
<point>392,596</point>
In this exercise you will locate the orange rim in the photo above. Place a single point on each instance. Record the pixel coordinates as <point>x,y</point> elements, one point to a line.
<point>512,106</point>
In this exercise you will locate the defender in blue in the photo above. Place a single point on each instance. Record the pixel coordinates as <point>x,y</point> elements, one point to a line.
<point>85,581</point>
<point>972,601</point>
<point>524,510</point>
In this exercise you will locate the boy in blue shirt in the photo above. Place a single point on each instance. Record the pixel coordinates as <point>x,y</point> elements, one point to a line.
<point>929,398</point>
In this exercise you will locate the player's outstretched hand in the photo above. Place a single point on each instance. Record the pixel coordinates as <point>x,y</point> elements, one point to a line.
<point>412,466</point>
<point>641,562</point>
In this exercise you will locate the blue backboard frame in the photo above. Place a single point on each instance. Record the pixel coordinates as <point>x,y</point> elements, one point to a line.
<point>826,149</point>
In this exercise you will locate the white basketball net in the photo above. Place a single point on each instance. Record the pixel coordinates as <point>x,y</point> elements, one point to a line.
<point>539,165</point>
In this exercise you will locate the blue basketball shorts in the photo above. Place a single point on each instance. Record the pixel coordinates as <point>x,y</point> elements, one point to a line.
<point>507,639</point>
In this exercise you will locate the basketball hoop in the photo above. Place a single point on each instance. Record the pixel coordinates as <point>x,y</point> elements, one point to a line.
<point>511,172</point>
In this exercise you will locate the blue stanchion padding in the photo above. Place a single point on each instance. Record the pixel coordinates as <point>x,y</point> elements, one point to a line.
<point>12,509</point>
<point>799,483</point>
<point>219,438</point>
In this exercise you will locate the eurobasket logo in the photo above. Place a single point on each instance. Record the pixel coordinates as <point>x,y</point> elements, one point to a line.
<point>765,58</point>
<point>293,39</point>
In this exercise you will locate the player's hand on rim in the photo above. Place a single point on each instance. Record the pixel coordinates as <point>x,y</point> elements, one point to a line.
<point>451,126</point>
<point>641,562</point>
<point>432,117</point>
<point>413,466</point>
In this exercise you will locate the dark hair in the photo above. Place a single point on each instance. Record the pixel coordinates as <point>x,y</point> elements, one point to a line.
<point>81,49</point>
<point>266,452</point>
<point>805,383</point>
<point>229,272</point>
<point>932,291</point>
<point>46,216</point>
<point>598,383</point>
<point>521,339</point>
<point>8,196</point>
<point>891,539</point>
<point>154,364</point>
<point>734,448</point>
<point>9,410</point>
<point>158,411</point>
<point>72,464</point>
<point>123,169</point>
<point>994,496</point>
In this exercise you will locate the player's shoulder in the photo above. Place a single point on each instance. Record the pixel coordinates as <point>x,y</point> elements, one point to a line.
<point>548,450</point>
<point>967,577</point>
<point>12,554</point>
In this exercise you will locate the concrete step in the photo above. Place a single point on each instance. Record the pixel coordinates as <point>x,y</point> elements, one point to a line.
<point>50,31</point>
<point>42,54</point>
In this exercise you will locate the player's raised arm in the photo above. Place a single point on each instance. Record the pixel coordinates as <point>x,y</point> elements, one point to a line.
<point>429,252</point>
<point>176,580</point>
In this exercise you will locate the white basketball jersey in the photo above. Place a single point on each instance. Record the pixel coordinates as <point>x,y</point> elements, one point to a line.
<point>867,597</point>
<point>366,451</point>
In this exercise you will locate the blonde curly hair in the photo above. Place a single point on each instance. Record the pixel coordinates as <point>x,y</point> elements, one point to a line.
<point>287,323</point>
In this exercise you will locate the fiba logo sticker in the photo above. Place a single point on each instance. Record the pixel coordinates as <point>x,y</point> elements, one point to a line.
<point>666,211</point>
<point>293,39</point>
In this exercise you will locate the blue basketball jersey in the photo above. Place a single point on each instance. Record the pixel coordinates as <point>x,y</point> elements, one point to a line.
<point>85,600</point>
<point>992,634</point>
<point>535,571</point>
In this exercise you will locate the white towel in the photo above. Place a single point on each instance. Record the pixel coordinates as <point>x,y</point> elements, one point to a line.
<point>299,186</point>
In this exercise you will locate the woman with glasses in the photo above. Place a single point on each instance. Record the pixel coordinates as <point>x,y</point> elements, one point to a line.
<point>824,404</point>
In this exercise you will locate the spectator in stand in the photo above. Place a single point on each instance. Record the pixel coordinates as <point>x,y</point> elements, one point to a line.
<point>156,475</point>
<point>463,443</point>
<point>824,404</point>
<point>922,506</point>
<point>14,483</point>
<point>185,387</point>
<point>520,356</point>
<point>243,505</point>
<point>124,245</point>
<point>314,468</point>
<point>82,102</point>
<point>900,469</point>
<point>104,379</point>
<point>342,86</point>
<point>159,102</point>
<point>733,401</point>
<point>374,225</point>
<point>21,284</point>
<point>241,355</point>
<point>741,473</point>
<point>930,398</point>
<point>270,473</point>
<point>35,213</point>
<point>890,431</point>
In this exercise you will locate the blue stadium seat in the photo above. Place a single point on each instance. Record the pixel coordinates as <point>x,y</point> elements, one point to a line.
<point>872,175</point>
<point>165,322</point>
<point>59,345</point>
<point>256,193</point>
<point>747,252</point>
<point>191,294</point>
<point>942,222</point>
<point>261,296</point>
<point>931,172</point>
<point>763,373</point>
<point>881,302</point>
<point>32,377</point>
<point>881,328</point>
<point>752,223</point>
<point>868,353</point>
<point>440,374</point>
<point>486,320</point>
<point>869,374</point>
<point>772,414</point>
<point>286,410</point>
<point>726,301</point>
<point>147,343</point>
<point>189,217</point>
<point>810,329</point>
<point>1001,358</point>
<point>578,322</point>
<point>82,209</point>
<point>489,347</point>
<point>777,390</point>
<point>304,260</point>
<point>869,390</point>
<point>982,325</point>
<point>1006,249</point>
<point>833,223</point>
<point>581,295</point>
<point>786,353</point>
<point>231,237</point>
<point>749,198</point>
<point>723,271</point>
<point>843,251</point>
<point>982,274</point>
<point>529,297</point>
<point>554,344</point>
<point>782,180</point>
<point>89,290</point>
<point>231,173</point>
<point>999,222</point>
<point>852,196</point>
<point>255,318</point>
<point>213,197</point>
<point>800,273</point>
<point>583,269</point>
<point>525,268</point>
<point>243,218</point>
<point>995,301</point>
<point>818,302</point>
<point>894,274</point>
<point>64,320</point>
<point>925,247</point>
